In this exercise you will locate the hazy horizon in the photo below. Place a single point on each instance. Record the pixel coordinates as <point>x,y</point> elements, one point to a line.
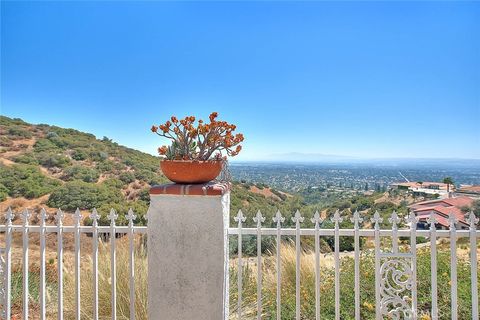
<point>309,158</point>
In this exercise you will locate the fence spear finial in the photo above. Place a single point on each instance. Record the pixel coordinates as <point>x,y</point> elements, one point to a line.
<point>25,216</point>
<point>59,216</point>
<point>94,216</point>
<point>240,217</point>
<point>316,218</point>
<point>356,218</point>
<point>278,219</point>
<point>112,216</point>
<point>131,216</point>
<point>259,218</point>
<point>394,219</point>
<point>337,218</point>
<point>472,219</point>
<point>432,220</point>
<point>452,220</point>
<point>43,216</point>
<point>297,218</point>
<point>9,215</point>
<point>377,219</point>
<point>77,216</point>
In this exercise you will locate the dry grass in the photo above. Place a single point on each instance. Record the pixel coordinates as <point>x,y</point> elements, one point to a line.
<point>104,283</point>
<point>327,277</point>
<point>288,268</point>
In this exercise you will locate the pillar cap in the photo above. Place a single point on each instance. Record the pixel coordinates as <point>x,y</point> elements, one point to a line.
<point>203,189</point>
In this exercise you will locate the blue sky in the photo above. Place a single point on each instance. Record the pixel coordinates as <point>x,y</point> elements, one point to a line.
<point>366,79</point>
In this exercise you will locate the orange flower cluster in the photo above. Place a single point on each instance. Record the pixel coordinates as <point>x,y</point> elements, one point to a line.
<point>200,141</point>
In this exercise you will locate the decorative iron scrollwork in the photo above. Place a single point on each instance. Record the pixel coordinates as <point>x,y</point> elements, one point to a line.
<point>395,288</point>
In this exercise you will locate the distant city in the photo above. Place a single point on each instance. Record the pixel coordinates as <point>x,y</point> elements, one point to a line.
<point>377,176</point>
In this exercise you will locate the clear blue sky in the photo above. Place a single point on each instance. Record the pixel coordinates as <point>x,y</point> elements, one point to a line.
<point>368,79</point>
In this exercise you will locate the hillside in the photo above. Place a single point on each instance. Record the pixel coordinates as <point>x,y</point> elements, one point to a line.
<point>52,167</point>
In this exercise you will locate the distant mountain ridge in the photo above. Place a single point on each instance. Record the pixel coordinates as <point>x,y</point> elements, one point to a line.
<point>300,157</point>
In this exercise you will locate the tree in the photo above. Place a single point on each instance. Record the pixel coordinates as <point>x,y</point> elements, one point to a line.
<point>448,181</point>
<point>476,208</point>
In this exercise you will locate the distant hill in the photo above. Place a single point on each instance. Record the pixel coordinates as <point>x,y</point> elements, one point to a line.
<point>52,167</point>
<point>307,158</point>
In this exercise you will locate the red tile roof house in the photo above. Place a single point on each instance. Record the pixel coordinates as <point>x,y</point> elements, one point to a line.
<point>442,209</point>
<point>471,191</point>
<point>423,188</point>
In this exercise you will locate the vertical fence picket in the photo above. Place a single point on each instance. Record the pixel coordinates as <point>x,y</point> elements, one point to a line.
<point>433,265</point>
<point>278,219</point>
<point>113,266</point>
<point>317,220</point>
<point>377,220</point>
<point>8,264</point>
<point>25,294</point>
<point>337,219</point>
<point>356,221</point>
<point>297,219</point>
<point>77,217</point>
<point>258,219</point>
<point>394,220</point>
<point>43,217</point>
<point>453,265</point>
<point>473,220</point>
<point>95,216</point>
<point>240,219</point>
<point>59,218</point>
<point>412,219</point>
<point>131,217</point>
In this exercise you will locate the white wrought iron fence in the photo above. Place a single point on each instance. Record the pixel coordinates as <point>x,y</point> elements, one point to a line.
<point>42,229</point>
<point>395,270</point>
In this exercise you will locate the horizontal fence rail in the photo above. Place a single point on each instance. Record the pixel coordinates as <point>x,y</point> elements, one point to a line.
<point>395,269</point>
<point>61,231</point>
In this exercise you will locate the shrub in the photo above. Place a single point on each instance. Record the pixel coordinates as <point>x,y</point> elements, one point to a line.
<point>45,145</point>
<point>5,142</point>
<point>113,183</point>
<point>3,192</point>
<point>5,121</point>
<point>144,195</point>
<point>19,132</point>
<point>127,177</point>
<point>98,156</point>
<point>476,208</point>
<point>148,176</point>
<point>27,181</point>
<point>81,173</point>
<point>26,158</point>
<point>79,155</point>
<point>139,208</point>
<point>79,194</point>
<point>50,160</point>
<point>51,135</point>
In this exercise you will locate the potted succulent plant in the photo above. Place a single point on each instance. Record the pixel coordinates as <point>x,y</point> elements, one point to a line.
<point>198,150</point>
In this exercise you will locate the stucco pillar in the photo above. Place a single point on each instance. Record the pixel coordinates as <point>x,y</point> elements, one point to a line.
<point>188,252</point>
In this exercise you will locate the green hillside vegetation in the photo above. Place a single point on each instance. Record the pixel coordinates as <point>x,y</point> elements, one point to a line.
<point>73,169</point>
<point>76,170</point>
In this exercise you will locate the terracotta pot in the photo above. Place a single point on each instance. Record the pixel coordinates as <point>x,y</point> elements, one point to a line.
<point>189,172</point>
